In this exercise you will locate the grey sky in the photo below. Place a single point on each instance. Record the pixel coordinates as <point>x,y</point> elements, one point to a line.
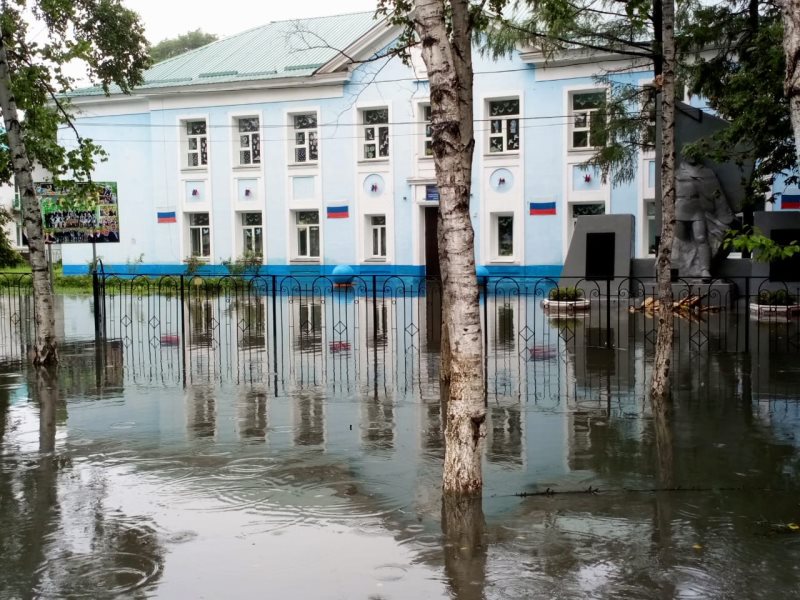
<point>169,18</point>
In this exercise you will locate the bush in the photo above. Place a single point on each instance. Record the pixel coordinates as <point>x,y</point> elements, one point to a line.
<point>247,264</point>
<point>566,294</point>
<point>193,264</point>
<point>776,298</point>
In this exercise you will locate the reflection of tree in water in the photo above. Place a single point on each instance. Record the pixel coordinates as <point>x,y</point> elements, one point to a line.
<point>201,411</point>
<point>465,546</point>
<point>308,328</point>
<point>253,415</point>
<point>309,427</point>
<point>42,497</point>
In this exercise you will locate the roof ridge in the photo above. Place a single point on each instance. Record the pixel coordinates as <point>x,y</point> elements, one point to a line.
<point>349,14</point>
<point>246,31</point>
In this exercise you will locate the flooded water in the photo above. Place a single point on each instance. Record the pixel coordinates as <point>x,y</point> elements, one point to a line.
<point>223,469</point>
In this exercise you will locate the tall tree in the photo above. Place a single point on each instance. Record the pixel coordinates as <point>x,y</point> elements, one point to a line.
<point>178,45</point>
<point>791,49</point>
<point>444,30</point>
<point>109,41</point>
<point>643,30</point>
<point>660,383</point>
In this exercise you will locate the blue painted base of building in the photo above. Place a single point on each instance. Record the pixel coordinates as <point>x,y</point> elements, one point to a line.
<point>306,270</point>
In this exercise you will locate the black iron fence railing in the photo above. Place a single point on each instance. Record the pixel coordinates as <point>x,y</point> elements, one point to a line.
<point>318,328</point>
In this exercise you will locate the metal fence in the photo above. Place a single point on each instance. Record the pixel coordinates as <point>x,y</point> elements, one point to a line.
<point>316,329</point>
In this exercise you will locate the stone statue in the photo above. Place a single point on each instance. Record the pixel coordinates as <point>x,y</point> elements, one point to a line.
<point>702,216</point>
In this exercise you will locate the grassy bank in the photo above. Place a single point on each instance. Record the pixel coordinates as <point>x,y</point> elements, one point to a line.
<point>20,277</point>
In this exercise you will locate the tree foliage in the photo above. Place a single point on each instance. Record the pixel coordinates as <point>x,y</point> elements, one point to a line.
<point>8,256</point>
<point>41,42</point>
<point>588,27</point>
<point>732,57</point>
<point>178,45</point>
<point>729,53</point>
<point>102,35</point>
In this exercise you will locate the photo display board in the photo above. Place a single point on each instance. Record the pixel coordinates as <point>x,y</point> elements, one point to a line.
<point>80,217</point>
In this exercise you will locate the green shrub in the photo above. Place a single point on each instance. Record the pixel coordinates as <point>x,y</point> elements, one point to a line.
<point>563,294</point>
<point>247,264</point>
<point>193,264</point>
<point>776,298</point>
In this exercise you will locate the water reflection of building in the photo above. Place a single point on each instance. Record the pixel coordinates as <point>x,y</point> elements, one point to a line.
<point>201,411</point>
<point>252,414</point>
<point>378,422</point>
<point>308,418</point>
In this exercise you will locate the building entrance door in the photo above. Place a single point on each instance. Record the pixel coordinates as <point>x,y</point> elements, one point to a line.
<point>432,242</point>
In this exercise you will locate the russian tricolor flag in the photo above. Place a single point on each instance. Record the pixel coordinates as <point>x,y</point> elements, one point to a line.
<point>543,208</point>
<point>790,202</point>
<point>167,217</point>
<point>338,212</point>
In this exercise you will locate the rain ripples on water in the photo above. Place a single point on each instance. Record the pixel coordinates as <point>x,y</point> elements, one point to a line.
<point>316,473</point>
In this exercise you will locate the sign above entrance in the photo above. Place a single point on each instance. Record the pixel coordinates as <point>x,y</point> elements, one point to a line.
<point>431,193</point>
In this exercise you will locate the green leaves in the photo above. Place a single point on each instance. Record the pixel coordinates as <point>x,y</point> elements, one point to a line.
<point>763,248</point>
<point>178,45</point>
<point>104,35</point>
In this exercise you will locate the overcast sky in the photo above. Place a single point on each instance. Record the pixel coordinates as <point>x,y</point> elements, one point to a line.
<point>169,18</point>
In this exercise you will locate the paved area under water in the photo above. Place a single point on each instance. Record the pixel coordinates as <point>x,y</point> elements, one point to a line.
<point>118,479</point>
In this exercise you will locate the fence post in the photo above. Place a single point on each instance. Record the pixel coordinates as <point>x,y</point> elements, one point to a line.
<point>99,317</point>
<point>608,314</point>
<point>183,331</point>
<point>275,330</point>
<point>747,314</point>
<point>485,288</point>
<point>375,323</point>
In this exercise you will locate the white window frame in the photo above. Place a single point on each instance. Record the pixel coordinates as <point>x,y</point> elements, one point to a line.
<point>588,113</point>
<point>381,230</point>
<point>304,229</point>
<point>307,133</point>
<point>572,220</point>
<point>505,124</point>
<point>646,226</point>
<point>426,129</point>
<point>244,228</point>
<point>199,140</point>
<point>252,146</point>
<point>369,134</point>
<point>192,228</point>
<point>496,254</point>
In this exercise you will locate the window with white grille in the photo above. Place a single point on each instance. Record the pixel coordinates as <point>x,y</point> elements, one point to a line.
<point>196,144</point>
<point>248,141</point>
<point>375,133</point>
<point>305,145</point>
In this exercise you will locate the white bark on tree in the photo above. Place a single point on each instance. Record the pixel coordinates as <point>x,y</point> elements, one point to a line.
<point>791,50</point>
<point>448,58</point>
<point>660,384</point>
<point>45,350</point>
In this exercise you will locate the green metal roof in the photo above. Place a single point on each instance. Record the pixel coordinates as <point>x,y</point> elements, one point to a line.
<point>280,49</point>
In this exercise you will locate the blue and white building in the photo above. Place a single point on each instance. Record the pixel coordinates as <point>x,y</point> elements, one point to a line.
<point>292,141</point>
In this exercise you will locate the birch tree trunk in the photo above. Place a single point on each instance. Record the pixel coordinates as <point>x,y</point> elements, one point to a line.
<point>660,384</point>
<point>448,58</point>
<point>791,49</point>
<point>44,351</point>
